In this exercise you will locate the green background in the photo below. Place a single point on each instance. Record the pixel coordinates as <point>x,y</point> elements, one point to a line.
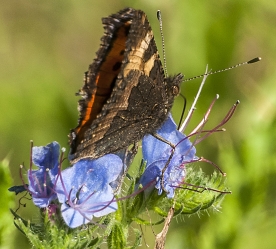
<point>45,47</point>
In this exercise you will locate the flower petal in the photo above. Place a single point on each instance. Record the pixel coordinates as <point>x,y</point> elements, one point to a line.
<point>84,189</point>
<point>157,153</point>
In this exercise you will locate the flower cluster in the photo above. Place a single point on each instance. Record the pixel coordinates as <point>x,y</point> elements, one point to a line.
<point>83,190</point>
<point>93,188</point>
<point>86,190</point>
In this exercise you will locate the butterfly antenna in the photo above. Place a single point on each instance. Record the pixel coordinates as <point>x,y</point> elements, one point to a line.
<point>163,41</point>
<point>226,69</point>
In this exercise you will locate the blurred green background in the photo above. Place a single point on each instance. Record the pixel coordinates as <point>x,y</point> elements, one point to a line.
<point>45,47</point>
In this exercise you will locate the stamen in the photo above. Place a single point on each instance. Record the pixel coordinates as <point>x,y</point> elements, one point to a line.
<point>213,164</point>
<point>203,189</point>
<point>224,121</point>
<point>205,118</point>
<point>22,178</point>
<point>31,155</point>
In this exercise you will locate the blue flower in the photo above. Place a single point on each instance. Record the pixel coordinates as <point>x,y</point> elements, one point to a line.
<point>84,189</point>
<point>127,155</point>
<point>156,153</point>
<point>42,180</point>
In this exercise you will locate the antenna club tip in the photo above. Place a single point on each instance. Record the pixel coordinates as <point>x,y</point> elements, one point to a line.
<point>237,102</point>
<point>158,13</point>
<point>254,60</point>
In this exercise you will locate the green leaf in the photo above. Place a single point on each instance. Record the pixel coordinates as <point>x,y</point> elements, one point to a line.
<point>117,238</point>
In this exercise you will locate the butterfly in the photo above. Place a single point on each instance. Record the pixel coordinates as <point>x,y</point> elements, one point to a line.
<point>126,94</point>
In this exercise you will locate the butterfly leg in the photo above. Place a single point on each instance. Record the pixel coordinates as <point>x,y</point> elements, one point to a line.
<point>169,159</point>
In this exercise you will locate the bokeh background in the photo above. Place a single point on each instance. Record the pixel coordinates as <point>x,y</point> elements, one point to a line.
<point>45,47</point>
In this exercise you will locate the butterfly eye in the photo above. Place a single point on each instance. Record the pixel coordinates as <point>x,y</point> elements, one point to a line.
<point>175,90</point>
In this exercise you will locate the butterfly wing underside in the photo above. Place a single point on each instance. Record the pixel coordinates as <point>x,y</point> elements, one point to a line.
<point>140,98</point>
